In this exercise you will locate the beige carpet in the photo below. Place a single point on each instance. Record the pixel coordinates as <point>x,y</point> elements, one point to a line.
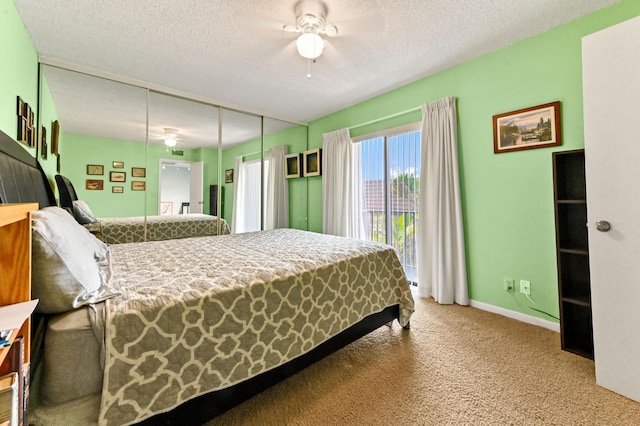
<point>457,365</point>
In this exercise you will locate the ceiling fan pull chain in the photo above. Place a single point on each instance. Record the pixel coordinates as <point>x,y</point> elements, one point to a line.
<point>309,68</point>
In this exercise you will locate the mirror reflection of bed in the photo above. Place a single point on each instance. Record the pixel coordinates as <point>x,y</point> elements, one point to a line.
<point>110,117</point>
<point>121,230</point>
<point>220,318</point>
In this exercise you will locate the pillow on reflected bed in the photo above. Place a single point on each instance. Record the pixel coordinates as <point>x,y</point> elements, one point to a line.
<point>83,213</point>
<point>68,263</point>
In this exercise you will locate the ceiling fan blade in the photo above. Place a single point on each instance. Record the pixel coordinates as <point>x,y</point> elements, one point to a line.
<point>290,28</point>
<point>360,26</point>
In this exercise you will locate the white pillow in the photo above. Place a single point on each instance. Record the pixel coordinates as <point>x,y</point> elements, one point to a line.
<point>68,263</point>
<point>83,213</point>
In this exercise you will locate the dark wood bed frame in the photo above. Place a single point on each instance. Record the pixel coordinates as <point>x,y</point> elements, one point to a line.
<point>23,180</point>
<point>66,192</point>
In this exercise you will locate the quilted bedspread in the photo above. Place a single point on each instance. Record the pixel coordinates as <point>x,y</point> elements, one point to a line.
<point>202,314</point>
<point>158,228</point>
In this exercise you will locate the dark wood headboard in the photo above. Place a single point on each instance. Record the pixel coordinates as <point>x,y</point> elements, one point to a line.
<point>67,192</point>
<point>22,180</point>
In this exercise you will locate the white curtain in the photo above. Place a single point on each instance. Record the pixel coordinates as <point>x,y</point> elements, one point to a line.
<point>341,186</point>
<point>441,258</point>
<point>246,196</point>
<point>277,206</point>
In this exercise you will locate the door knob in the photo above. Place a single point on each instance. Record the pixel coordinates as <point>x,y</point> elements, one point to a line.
<point>603,225</point>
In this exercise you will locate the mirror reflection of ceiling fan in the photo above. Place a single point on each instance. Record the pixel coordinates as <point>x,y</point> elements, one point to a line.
<point>311,24</point>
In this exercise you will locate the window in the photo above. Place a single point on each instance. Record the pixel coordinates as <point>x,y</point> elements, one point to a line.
<point>391,186</point>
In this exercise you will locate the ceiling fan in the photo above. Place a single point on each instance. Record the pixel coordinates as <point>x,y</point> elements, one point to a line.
<point>311,24</point>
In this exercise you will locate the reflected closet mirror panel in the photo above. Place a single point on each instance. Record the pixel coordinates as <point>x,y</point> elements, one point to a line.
<point>285,186</point>
<point>95,136</point>
<point>182,156</point>
<point>256,156</point>
<point>241,163</point>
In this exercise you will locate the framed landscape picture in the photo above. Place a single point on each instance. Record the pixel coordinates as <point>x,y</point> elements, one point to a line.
<point>527,128</point>
<point>117,189</point>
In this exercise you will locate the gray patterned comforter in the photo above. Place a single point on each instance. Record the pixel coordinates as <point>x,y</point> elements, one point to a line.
<point>120,230</point>
<point>202,314</point>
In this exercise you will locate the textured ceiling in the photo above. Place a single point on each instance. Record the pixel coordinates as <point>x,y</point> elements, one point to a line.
<point>235,53</point>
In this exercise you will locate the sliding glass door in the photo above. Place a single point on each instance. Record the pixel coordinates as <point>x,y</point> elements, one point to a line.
<point>391,185</point>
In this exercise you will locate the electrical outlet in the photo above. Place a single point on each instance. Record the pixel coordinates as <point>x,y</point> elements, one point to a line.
<point>510,285</point>
<point>525,287</point>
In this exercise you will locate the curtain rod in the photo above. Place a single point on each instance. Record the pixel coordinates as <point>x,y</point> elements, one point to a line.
<point>397,114</point>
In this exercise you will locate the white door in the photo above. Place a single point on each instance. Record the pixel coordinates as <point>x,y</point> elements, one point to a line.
<point>611,83</point>
<point>196,191</point>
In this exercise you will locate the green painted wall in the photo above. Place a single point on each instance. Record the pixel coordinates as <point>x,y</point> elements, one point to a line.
<point>79,150</point>
<point>19,69</point>
<point>507,198</point>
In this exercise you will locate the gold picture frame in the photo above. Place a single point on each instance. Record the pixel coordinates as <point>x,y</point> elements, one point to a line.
<point>95,169</point>
<point>55,137</point>
<point>138,185</point>
<point>138,172</point>
<point>94,185</point>
<point>117,176</point>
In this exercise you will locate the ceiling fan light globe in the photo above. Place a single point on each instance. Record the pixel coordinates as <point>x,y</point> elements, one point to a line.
<point>170,142</point>
<point>310,45</point>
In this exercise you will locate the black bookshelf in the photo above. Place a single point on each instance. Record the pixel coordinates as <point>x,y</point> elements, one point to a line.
<point>572,248</point>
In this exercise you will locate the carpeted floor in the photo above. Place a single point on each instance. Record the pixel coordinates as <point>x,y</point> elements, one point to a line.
<point>456,366</point>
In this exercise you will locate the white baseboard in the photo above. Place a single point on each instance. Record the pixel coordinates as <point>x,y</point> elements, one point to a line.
<point>553,326</point>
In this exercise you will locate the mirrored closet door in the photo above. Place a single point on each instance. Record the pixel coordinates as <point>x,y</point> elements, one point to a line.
<point>134,152</point>
<point>101,129</point>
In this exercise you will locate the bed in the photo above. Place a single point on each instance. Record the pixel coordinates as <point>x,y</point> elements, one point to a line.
<point>139,228</point>
<point>178,331</point>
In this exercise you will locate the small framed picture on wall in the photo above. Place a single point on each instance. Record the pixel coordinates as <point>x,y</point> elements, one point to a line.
<point>138,185</point>
<point>138,172</point>
<point>313,162</point>
<point>117,176</point>
<point>95,184</point>
<point>293,164</point>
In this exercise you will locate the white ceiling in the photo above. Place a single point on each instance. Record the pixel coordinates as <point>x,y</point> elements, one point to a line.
<point>235,53</point>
